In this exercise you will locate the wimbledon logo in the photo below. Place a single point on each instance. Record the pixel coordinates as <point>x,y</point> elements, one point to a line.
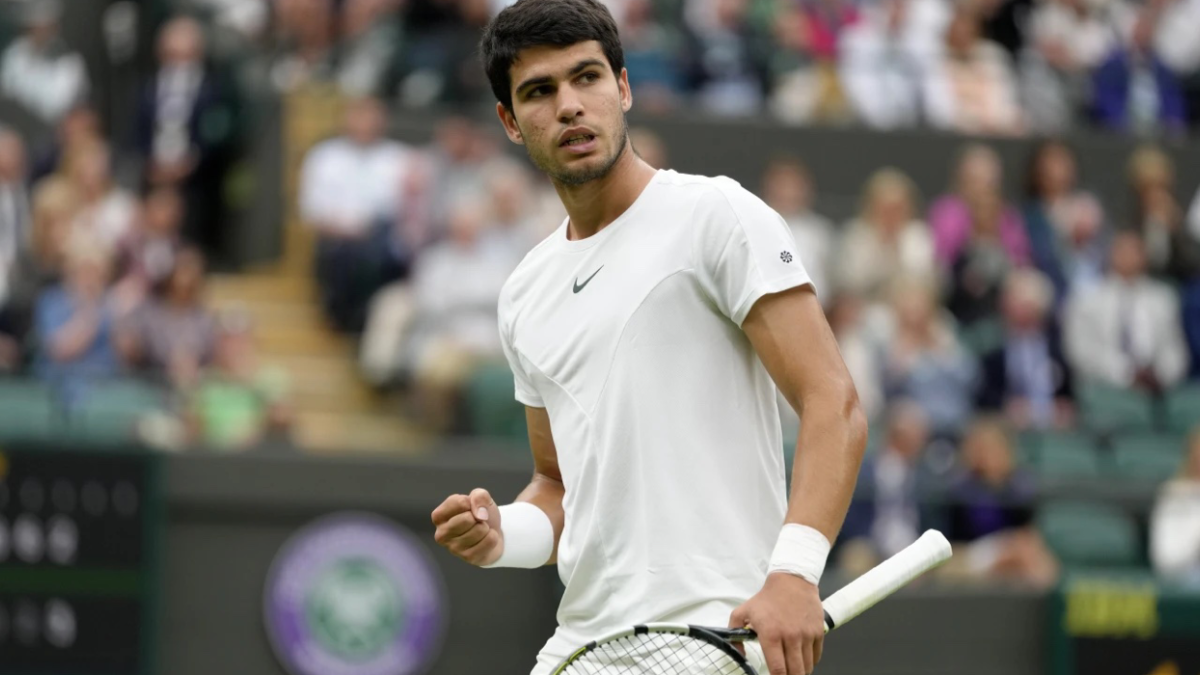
<point>354,594</point>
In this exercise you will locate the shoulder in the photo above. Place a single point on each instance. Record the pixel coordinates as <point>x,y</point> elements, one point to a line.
<point>712,194</point>
<point>524,281</point>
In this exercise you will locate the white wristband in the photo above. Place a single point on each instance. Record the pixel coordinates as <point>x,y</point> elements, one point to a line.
<point>800,550</point>
<point>528,536</point>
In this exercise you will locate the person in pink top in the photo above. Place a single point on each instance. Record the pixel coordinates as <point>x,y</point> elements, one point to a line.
<point>977,178</point>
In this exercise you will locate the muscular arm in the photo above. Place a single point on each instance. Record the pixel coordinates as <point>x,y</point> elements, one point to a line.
<point>545,490</point>
<point>790,334</point>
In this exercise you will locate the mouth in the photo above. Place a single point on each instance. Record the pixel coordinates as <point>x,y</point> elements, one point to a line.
<point>579,143</point>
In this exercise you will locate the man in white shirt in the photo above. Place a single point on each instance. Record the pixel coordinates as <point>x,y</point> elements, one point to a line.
<point>38,70</point>
<point>1125,330</point>
<point>647,336</point>
<point>349,186</point>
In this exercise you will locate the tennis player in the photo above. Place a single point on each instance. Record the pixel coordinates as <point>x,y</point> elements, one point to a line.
<point>647,337</point>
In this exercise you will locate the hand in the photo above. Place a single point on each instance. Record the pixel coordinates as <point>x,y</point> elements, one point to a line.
<point>790,622</point>
<point>469,527</point>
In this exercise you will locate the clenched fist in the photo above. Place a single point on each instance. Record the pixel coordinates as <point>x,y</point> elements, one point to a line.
<point>469,527</point>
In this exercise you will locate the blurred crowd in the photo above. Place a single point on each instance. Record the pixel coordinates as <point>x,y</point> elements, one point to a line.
<point>999,67</point>
<point>969,320</point>
<point>102,274</point>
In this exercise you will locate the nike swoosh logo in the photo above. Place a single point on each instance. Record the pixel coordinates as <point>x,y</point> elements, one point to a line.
<point>579,287</point>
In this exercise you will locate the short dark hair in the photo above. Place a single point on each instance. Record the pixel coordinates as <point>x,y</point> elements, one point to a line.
<point>537,23</point>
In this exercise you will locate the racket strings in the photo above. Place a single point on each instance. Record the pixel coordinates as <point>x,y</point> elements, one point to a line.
<point>655,654</point>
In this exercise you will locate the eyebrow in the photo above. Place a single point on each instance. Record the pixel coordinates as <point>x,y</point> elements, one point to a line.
<point>546,79</point>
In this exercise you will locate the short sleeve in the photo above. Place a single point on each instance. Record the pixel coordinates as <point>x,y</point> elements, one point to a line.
<point>743,251</point>
<point>525,392</point>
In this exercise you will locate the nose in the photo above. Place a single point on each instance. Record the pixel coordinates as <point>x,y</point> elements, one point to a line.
<point>569,105</point>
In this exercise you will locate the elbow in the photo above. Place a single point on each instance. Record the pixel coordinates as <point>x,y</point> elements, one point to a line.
<point>856,424</point>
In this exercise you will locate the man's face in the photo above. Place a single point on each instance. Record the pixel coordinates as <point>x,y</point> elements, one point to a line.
<point>568,111</point>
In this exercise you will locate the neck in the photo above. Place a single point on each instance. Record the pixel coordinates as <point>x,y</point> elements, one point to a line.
<point>593,205</point>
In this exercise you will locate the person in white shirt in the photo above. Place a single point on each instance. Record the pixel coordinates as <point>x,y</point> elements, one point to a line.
<point>647,336</point>
<point>38,70</point>
<point>972,88</point>
<point>1175,521</point>
<point>1125,331</point>
<point>349,187</point>
<point>882,65</point>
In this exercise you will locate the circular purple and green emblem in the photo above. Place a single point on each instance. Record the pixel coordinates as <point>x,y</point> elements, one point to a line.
<point>354,594</point>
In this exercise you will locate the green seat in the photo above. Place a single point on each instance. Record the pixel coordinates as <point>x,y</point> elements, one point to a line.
<point>27,410</point>
<point>111,411</point>
<point>1147,456</point>
<point>1089,534</point>
<point>1066,455</point>
<point>490,407</point>
<point>1183,409</point>
<point>1107,409</point>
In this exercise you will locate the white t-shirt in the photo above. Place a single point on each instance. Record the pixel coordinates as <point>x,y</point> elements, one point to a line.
<point>349,186</point>
<point>664,417</point>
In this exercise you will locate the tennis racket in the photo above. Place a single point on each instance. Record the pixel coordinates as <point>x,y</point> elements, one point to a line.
<point>681,649</point>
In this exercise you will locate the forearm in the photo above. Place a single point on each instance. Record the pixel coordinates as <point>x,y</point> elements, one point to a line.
<point>829,452</point>
<point>546,493</point>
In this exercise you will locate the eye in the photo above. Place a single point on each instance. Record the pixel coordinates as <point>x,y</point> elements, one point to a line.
<point>537,92</point>
<point>589,77</point>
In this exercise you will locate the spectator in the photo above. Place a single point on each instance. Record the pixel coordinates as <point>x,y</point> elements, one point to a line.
<point>1175,43</point>
<point>73,322</point>
<point>1068,40</point>
<point>882,66</point>
<point>461,159</point>
<point>367,48</point>
<point>655,76</point>
<point>1172,249</point>
<point>886,241</point>
<point>15,217</point>
<point>349,186</point>
<point>977,188</point>
<point>55,204</point>
<point>456,287</point>
<point>981,265</point>
<point>1125,331</point>
<point>147,256</point>
<point>1134,90</point>
<point>302,44</point>
<point>787,188</point>
<point>238,402</point>
<point>1027,377</point>
<point>726,57</point>
<point>106,210</point>
<point>509,210</point>
<point>992,508</point>
<point>925,362</point>
<point>185,129</point>
<point>174,334</point>
<point>1064,223</point>
<point>1175,521</point>
<point>972,88</point>
<point>80,126</point>
<point>38,70</point>
<point>890,514</point>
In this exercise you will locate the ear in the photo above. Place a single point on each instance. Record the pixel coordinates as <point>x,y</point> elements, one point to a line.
<point>625,91</point>
<point>510,124</point>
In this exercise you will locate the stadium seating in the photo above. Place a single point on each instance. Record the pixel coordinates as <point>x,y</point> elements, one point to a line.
<point>111,412</point>
<point>1089,534</point>
<point>1064,455</point>
<point>1108,409</point>
<point>27,410</point>
<point>489,404</point>
<point>1183,409</point>
<point>1153,457</point>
